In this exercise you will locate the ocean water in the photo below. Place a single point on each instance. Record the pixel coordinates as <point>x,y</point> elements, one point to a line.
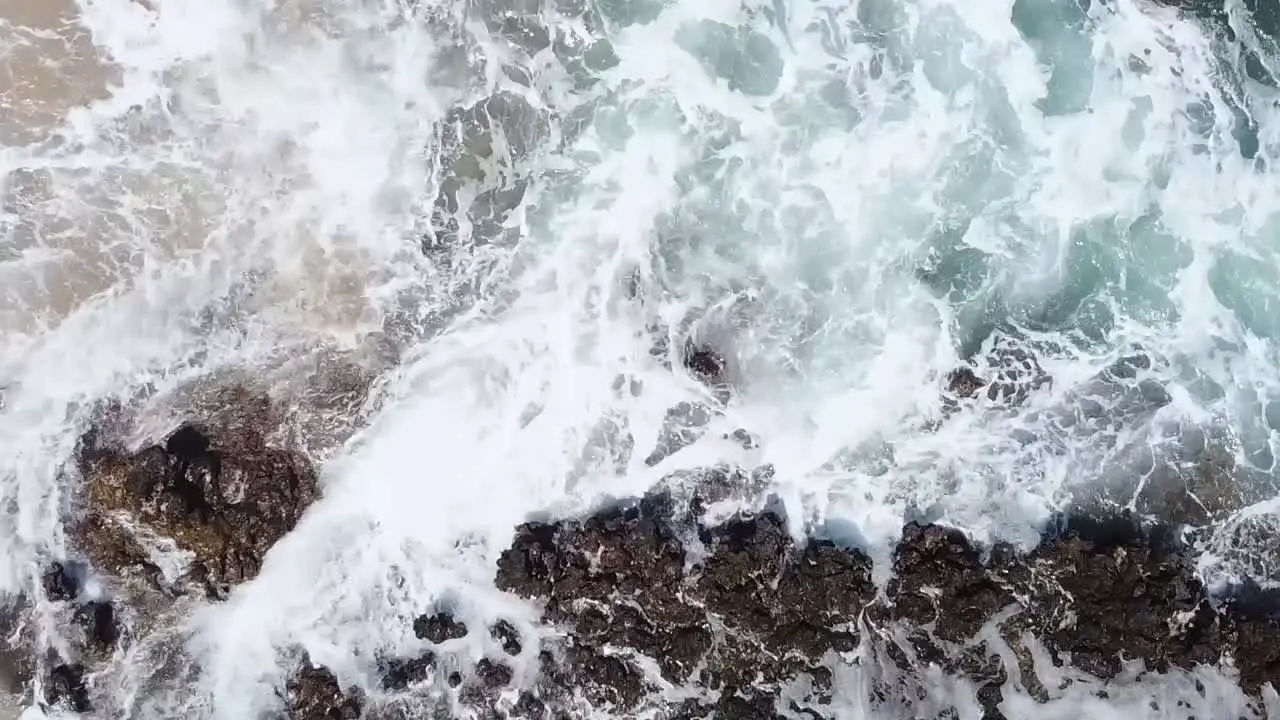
<point>546,198</point>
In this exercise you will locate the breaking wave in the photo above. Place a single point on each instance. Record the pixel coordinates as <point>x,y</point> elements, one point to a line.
<point>519,216</point>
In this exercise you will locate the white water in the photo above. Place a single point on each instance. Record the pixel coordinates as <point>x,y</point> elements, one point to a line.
<point>251,180</point>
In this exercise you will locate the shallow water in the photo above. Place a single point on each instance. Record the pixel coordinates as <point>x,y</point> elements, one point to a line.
<point>846,198</point>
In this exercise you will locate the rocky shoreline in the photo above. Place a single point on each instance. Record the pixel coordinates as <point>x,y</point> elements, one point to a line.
<point>656,607</point>
<point>679,604</point>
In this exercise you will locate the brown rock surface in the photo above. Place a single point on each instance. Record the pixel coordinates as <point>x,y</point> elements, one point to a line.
<point>222,495</point>
<point>759,620</point>
<point>314,694</point>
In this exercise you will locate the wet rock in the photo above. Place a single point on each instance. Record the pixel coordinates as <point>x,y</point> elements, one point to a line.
<point>704,363</point>
<point>939,578</point>
<point>604,681</point>
<point>88,632</point>
<point>492,674</point>
<point>682,426</point>
<point>620,580</point>
<point>964,383</point>
<point>314,694</point>
<point>501,129</point>
<point>507,636</point>
<point>195,510</point>
<point>748,61</point>
<point>1007,373</point>
<point>438,628</point>
<point>61,581</point>
<point>17,661</point>
<point>220,494</point>
<point>66,688</point>
<point>1245,547</point>
<point>400,673</point>
<point>482,689</point>
<point>1197,493</point>
<point>529,707</point>
<point>739,608</point>
<point>1017,372</point>
<point>98,625</point>
<point>1116,588</point>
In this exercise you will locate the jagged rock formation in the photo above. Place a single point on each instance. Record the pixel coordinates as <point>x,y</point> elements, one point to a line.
<point>755,621</point>
<point>314,694</point>
<point>224,497</point>
<point>197,511</point>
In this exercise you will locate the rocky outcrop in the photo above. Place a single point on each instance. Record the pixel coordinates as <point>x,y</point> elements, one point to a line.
<point>315,694</point>
<point>193,514</point>
<point>757,614</point>
<point>751,622</point>
<point>221,496</point>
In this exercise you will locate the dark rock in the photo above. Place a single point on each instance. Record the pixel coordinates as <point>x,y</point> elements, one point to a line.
<point>1009,371</point>
<point>963,382</point>
<point>187,444</point>
<point>314,694</point>
<point>605,681</point>
<point>939,577</point>
<point>400,673</point>
<point>66,687</point>
<point>743,438</point>
<point>222,494</point>
<point>61,581</point>
<point>493,674</point>
<point>438,628</point>
<point>1114,598</point>
<point>507,636</point>
<point>623,584</point>
<point>619,578</point>
<point>17,661</point>
<point>1017,372</point>
<point>218,489</point>
<point>529,707</point>
<point>729,706</point>
<point>704,363</point>
<point>97,620</point>
<point>1198,493</point>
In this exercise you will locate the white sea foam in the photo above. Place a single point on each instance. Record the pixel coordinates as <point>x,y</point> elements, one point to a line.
<point>843,196</point>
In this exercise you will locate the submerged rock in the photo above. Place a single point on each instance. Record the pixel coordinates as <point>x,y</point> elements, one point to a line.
<point>17,660</point>
<point>750,621</point>
<point>1006,373</point>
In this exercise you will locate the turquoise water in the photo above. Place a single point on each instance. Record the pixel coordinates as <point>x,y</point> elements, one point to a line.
<point>543,202</point>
